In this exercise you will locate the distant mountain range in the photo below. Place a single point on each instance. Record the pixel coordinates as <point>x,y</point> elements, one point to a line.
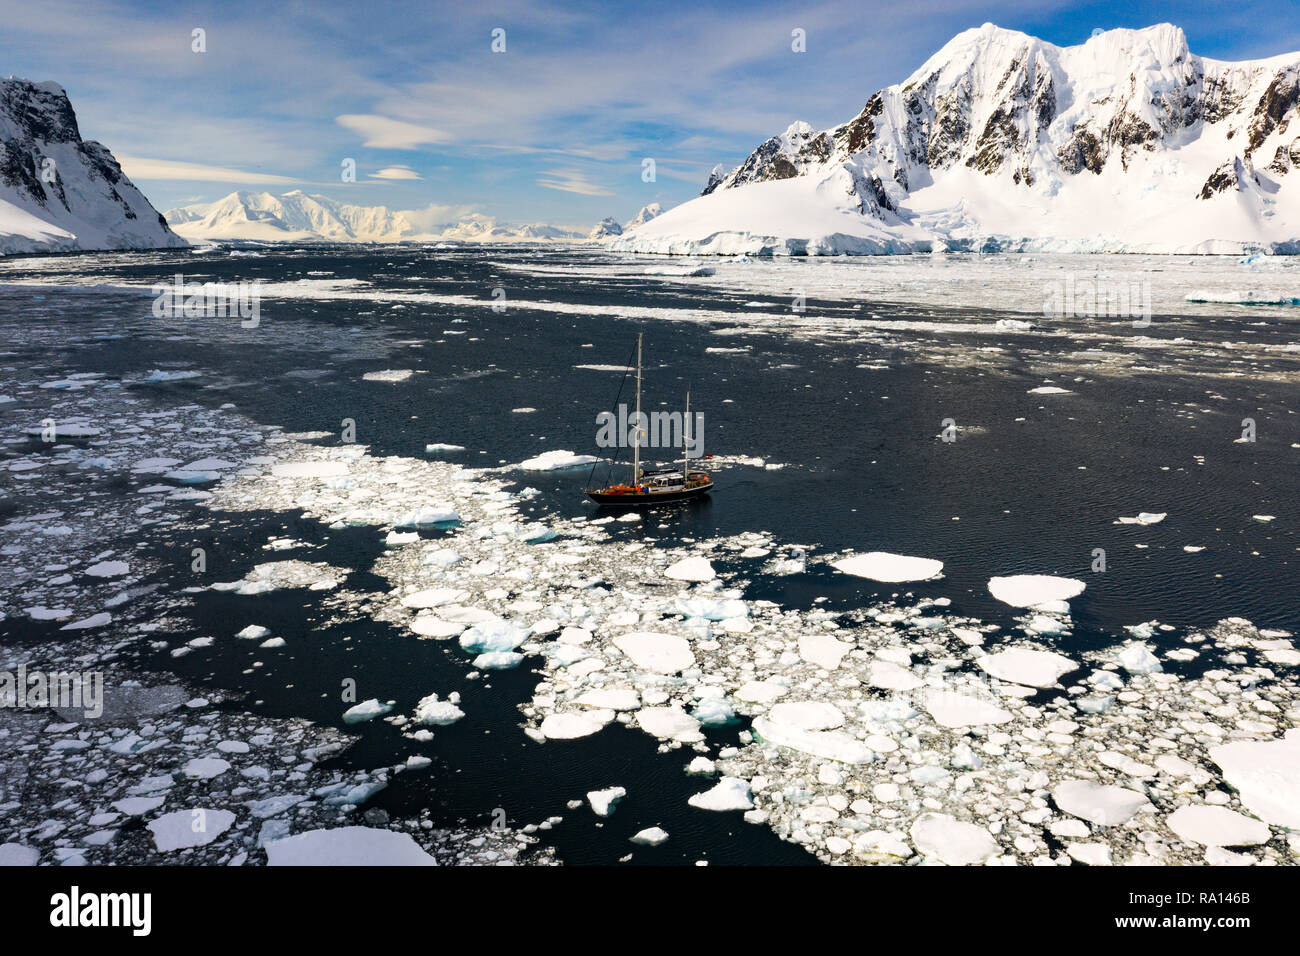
<point>1126,143</point>
<point>297,216</point>
<point>59,192</point>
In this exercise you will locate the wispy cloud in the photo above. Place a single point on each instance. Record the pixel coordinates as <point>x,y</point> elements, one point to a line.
<point>138,167</point>
<point>571,181</point>
<point>382,132</point>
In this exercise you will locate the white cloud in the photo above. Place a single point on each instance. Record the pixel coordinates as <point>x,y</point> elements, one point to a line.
<point>571,181</point>
<point>436,215</point>
<point>382,132</point>
<point>395,172</point>
<point>138,167</point>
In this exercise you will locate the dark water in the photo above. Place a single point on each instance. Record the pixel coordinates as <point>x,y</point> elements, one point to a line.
<point>865,470</point>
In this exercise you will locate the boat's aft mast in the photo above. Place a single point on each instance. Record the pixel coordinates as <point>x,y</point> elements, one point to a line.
<point>686,441</point>
<point>636,442</point>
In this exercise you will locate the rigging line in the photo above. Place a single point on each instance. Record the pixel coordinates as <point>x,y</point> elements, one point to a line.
<point>627,370</point>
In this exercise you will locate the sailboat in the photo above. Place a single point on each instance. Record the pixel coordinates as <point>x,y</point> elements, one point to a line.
<point>658,486</point>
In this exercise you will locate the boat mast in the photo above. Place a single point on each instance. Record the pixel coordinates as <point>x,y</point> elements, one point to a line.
<point>686,440</point>
<point>636,442</point>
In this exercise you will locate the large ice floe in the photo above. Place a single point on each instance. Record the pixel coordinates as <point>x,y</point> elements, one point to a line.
<point>890,568</point>
<point>897,732</point>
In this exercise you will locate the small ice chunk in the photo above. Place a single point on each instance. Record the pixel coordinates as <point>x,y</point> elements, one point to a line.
<point>808,715</point>
<point>951,709</point>
<point>952,841</point>
<point>887,675</point>
<point>205,768</point>
<point>389,375</point>
<point>498,660</point>
<point>1145,518</point>
<point>823,650</point>
<point>1089,854</point>
<point>1099,804</point>
<point>691,569</point>
<point>16,854</point>
<point>1138,659</point>
<point>603,801</point>
<point>828,744</point>
<point>493,635</point>
<point>669,723</point>
<point>366,710</point>
<point>650,836</point>
<point>95,620</point>
<point>182,829</point>
<point>761,691</point>
<point>570,725</point>
<point>729,793</point>
<point>429,625</point>
<point>655,652</point>
<point>439,713</point>
<point>611,698</point>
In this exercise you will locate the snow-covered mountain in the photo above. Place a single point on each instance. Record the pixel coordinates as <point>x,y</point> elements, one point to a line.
<point>479,228</point>
<point>298,217</point>
<point>605,229</point>
<point>59,192</point>
<point>652,211</point>
<point>1128,142</point>
<point>293,217</point>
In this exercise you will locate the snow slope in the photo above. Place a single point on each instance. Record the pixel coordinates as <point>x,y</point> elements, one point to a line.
<point>59,192</point>
<point>1126,143</point>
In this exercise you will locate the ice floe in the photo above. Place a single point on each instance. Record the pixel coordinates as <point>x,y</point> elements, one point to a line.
<point>603,801</point>
<point>348,846</point>
<point>1267,775</point>
<point>691,569</point>
<point>182,829</point>
<point>1022,665</point>
<point>1106,806</point>
<point>1217,826</point>
<point>952,841</point>
<point>729,793</point>
<point>1035,590</point>
<point>556,461</point>
<point>890,568</point>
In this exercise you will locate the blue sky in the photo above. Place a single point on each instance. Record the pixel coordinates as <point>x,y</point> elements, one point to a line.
<point>553,129</point>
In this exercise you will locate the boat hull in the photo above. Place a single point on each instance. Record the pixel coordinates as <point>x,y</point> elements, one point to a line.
<point>647,499</point>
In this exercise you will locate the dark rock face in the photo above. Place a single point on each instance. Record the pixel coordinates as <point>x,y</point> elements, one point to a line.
<point>1083,151</point>
<point>715,180</point>
<point>1275,109</point>
<point>42,153</point>
<point>1286,158</point>
<point>1228,176</point>
<point>951,127</point>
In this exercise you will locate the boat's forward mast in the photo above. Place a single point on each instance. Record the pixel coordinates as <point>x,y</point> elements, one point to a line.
<point>636,440</point>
